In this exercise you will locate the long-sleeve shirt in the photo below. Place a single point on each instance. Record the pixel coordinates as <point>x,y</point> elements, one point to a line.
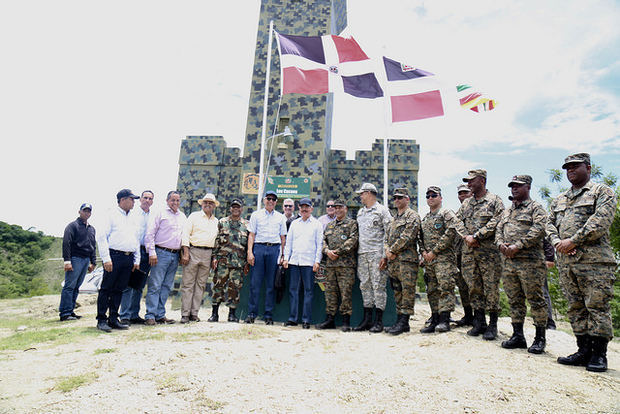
<point>403,236</point>
<point>372,222</point>
<point>304,242</point>
<point>267,227</point>
<point>440,230</point>
<point>118,232</point>
<point>325,219</point>
<point>480,217</point>
<point>165,230</point>
<point>142,220</point>
<point>199,230</point>
<point>341,236</point>
<point>79,240</point>
<point>524,226</point>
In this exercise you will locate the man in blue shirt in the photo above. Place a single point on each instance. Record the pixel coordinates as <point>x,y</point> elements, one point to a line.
<point>266,239</point>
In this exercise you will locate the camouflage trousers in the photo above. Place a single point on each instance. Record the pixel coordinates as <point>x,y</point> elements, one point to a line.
<point>339,283</point>
<point>462,284</point>
<point>524,279</point>
<point>227,281</point>
<point>372,280</point>
<point>589,289</point>
<point>481,270</point>
<point>403,277</point>
<point>440,287</point>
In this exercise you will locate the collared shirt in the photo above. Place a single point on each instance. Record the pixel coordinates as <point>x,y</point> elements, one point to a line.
<point>325,219</point>
<point>267,227</point>
<point>199,230</point>
<point>523,225</point>
<point>164,229</point>
<point>304,242</point>
<point>118,232</point>
<point>373,222</point>
<point>142,220</point>
<point>79,240</point>
<point>480,217</point>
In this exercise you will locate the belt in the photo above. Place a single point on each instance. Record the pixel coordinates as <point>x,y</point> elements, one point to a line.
<point>167,249</point>
<point>269,244</point>
<point>120,252</point>
<point>201,247</point>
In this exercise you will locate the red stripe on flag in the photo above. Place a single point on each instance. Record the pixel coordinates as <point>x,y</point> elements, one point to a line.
<point>308,82</point>
<point>348,49</point>
<point>469,97</point>
<point>416,106</point>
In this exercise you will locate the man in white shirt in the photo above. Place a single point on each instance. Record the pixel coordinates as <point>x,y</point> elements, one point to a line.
<point>120,252</point>
<point>325,219</point>
<point>302,254</point>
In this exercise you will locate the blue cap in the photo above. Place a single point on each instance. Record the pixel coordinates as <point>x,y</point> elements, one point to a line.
<point>86,206</point>
<point>305,201</point>
<point>125,193</point>
<point>273,193</point>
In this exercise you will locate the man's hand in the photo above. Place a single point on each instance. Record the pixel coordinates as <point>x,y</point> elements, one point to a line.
<point>383,263</point>
<point>285,263</point>
<point>549,264</point>
<point>566,246</point>
<point>184,259</point>
<point>246,269</point>
<point>68,267</point>
<point>511,251</point>
<point>389,255</point>
<point>107,266</point>
<point>250,258</point>
<point>429,257</point>
<point>91,267</point>
<point>315,267</point>
<point>332,255</point>
<point>153,260</point>
<point>136,266</point>
<point>214,264</point>
<point>471,242</point>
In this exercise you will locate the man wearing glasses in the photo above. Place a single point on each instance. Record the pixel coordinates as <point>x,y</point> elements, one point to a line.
<point>325,219</point>
<point>289,212</point>
<point>266,243</point>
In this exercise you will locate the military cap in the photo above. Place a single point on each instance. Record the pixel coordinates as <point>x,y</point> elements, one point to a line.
<point>340,202</point>
<point>463,187</point>
<point>305,202</point>
<point>475,173</point>
<point>433,189</point>
<point>520,179</point>
<point>577,158</point>
<point>236,201</point>
<point>367,187</point>
<point>401,192</point>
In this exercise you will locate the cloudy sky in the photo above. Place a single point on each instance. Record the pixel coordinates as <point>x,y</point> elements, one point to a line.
<point>97,96</point>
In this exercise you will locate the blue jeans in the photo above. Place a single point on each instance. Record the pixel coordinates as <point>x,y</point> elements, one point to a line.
<point>306,276</point>
<point>160,283</point>
<point>265,265</point>
<point>130,302</point>
<point>73,280</point>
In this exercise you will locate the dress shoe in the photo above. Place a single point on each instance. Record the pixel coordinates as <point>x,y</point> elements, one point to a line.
<point>68,318</point>
<point>290,323</point>
<point>268,321</point>
<point>184,319</point>
<point>103,326</point>
<point>126,322</point>
<point>76,316</point>
<point>305,325</point>
<point>115,324</point>
<point>150,322</point>
<point>249,319</point>
<point>194,318</point>
<point>165,320</point>
<point>137,321</point>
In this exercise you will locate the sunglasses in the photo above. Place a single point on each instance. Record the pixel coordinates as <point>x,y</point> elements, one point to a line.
<point>398,197</point>
<point>288,206</point>
<point>330,206</point>
<point>271,198</point>
<point>433,195</point>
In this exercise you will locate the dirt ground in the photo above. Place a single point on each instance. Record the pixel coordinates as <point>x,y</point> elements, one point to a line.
<point>231,368</point>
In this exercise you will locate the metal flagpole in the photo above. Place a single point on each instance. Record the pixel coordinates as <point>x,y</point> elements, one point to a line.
<point>261,181</point>
<point>385,171</point>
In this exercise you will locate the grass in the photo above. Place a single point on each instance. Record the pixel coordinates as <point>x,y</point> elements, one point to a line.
<point>70,383</point>
<point>251,333</point>
<point>100,351</point>
<point>170,383</point>
<point>27,339</point>
<point>28,322</point>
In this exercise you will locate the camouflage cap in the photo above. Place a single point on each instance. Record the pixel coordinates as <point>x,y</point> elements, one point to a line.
<point>433,189</point>
<point>339,202</point>
<point>237,201</point>
<point>577,158</point>
<point>403,192</point>
<point>520,179</point>
<point>367,187</point>
<point>462,187</point>
<point>475,173</point>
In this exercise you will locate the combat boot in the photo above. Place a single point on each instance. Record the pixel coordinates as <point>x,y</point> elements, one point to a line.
<point>346,323</point>
<point>431,326</point>
<point>378,325</point>
<point>214,314</point>
<point>389,329</point>
<point>491,331</point>
<point>366,322</point>
<point>583,354</point>
<point>479,323</point>
<point>328,323</point>
<point>444,322</point>
<point>538,347</point>
<point>517,340</point>
<point>232,317</point>
<point>467,319</point>
<point>401,326</point>
<point>598,361</point>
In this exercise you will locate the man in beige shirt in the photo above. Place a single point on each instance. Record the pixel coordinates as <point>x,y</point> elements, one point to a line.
<point>197,242</point>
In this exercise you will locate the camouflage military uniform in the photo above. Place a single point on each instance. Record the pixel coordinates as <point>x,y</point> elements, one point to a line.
<point>231,253</point>
<point>524,275</point>
<point>372,223</point>
<point>585,215</point>
<point>481,265</point>
<point>439,230</point>
<point>341,236</point>
<point>402,236</point>
<point>458,278</point>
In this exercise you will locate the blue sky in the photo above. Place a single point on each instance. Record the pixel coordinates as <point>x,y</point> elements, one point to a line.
<point>98,96</point>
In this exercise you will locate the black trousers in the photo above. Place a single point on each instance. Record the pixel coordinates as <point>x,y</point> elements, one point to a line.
<point>113,284</point>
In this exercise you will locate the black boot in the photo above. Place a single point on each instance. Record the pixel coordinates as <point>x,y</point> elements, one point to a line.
<point>328,323</point>
<point>389,329</point>
<point>517,340</point>
<point>214,314</point>
<point>346,323</point>
<point>444,322</point>
<point>468,319</point>
<point>491,332</point>
<point>366,322</point>
<point>598,361</point>
<point>431,327</point>
<point>378,325</point>
<point>232,317</point>
<point>401,326</point>
<point>538,347</point>
<point>479,323</point>
<point>583,354</point>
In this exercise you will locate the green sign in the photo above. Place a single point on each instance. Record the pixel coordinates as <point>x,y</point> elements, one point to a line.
<point>289,187</point>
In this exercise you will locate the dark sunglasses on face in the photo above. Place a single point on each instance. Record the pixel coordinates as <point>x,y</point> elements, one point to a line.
<point>288,206</point>
<point>330,206</point>
<point>398,197</point>
<point>271,198</point>
<point>432,195</point>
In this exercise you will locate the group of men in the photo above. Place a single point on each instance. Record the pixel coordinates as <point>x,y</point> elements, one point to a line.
<point>473,248</point>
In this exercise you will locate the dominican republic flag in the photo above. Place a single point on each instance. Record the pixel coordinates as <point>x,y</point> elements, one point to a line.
<point>321,64</point>
<point>474,100</point>
<point>414,93</point>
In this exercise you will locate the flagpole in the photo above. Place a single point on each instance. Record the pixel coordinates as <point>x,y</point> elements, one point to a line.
<point>261,180</point>
<point>385,170</point>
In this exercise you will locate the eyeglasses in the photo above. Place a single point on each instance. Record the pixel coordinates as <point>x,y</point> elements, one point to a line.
<point>398,197</point>
<point>432,195</point>
<point>330,206</point>
<point>288,206</point>
<point>271,198</point>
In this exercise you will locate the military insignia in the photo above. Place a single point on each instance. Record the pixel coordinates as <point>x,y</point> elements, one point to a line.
<point>343,237</point>
<point>438,225</point>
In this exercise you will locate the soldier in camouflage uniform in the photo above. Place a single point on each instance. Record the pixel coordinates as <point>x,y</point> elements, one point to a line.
<point>402,238</point>
<point>480,258</point>
<point>519,237</point>
<point>440,228</point>
<point>229,259</point>
<point>463,192</point>
<point>339,247</point>
<point>578,227</point>
<point>373,220</point>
